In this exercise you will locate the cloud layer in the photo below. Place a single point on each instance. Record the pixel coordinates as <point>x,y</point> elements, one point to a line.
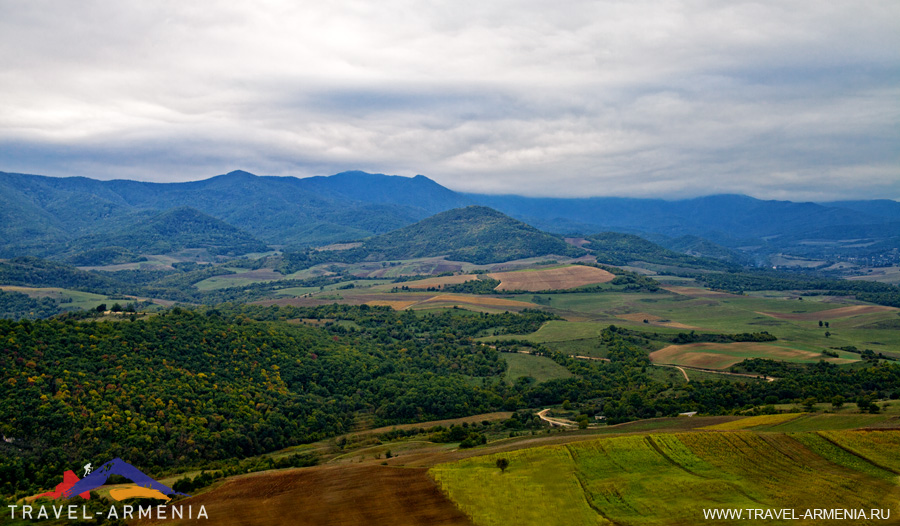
<point>787,99</point>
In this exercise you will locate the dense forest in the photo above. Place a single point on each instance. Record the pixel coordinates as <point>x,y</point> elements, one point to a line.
<point>163,233</point>
<point>183,388</point>
<point>738,282</point>
<point>193,388</point>
<point>15,305</point>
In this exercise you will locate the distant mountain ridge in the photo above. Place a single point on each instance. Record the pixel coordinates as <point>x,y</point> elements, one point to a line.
<point>45,216</point>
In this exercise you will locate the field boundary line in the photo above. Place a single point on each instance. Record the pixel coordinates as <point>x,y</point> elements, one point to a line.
<point>855,454</point>
<point>734,486</point>
<point>584,491</point>
<point>655,446</point>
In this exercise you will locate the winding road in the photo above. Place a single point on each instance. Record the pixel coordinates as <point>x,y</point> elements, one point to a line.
<point>556,422</point>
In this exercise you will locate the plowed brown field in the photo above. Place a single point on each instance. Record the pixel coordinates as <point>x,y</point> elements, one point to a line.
<point>559,278</point>
<point>332,495</point>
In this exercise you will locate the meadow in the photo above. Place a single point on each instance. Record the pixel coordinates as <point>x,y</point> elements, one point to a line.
<point>540,368</point>
<point>672,478</point>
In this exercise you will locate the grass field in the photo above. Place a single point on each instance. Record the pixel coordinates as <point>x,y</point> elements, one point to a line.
<point>795,323</point>
<point>754,421</point>
<point>670,479</point>
<point>241,279</point>
<point>820,421</point>
<point>830,314</point>
<point>578,338</point>
<point>540,368</point>
<point>79,299</point>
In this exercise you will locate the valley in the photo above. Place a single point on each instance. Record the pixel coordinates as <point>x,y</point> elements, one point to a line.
<point>393,362</point>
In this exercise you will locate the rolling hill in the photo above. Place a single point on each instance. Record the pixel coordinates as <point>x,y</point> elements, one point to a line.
<point>622,249</point>
<point>170,231</point>
<point>40,215</point>
<point>475,234</point>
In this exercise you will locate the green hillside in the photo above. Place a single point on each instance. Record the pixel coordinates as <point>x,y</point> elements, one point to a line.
<point>614,248</point>
<point>703,248</point>
<point>674,478</point>
<point>475,234</point>
<point>35,272</point>
<point>167,232</point>
<point>40,215</point>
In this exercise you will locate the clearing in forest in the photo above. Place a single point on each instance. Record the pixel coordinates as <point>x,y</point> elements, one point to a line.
<point>723,355</point>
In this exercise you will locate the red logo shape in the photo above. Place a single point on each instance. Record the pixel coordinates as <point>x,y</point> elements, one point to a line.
<point>69,480</point>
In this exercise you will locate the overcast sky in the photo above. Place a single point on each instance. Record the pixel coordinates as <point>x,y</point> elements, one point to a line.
<point>787,99</point>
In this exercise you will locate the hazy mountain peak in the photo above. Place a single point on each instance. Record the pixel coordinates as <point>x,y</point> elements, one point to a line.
<point>239,173</point>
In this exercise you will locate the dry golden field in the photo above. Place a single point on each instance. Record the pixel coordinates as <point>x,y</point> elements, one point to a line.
<point>559,278</point>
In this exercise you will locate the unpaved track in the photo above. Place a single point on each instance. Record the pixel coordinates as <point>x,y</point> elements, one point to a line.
<point>686,379</point>
<point>557,422</point>
<point>713,371</point>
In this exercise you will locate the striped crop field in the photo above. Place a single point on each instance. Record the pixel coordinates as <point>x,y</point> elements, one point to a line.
<point>880,447</point>
<point>668,479</point>
<point>754,421</point>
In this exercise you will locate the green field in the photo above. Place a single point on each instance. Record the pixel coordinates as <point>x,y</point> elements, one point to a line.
<point>69,299</point>
<point>672,478</point>
<point>540,368</point>
<point>669,314</point>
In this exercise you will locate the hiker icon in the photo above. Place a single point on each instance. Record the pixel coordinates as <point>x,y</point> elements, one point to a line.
<point>87,469</point>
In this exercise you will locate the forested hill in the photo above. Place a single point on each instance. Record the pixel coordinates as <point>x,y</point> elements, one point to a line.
<point>614,248</point>
<point>40,215</point>
<point>186,388</point>
<point>476,234</point>
<point>473,234</point>
<point>163,233</point>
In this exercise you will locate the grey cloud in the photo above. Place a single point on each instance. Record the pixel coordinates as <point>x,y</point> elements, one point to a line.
<point>647,98</point>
